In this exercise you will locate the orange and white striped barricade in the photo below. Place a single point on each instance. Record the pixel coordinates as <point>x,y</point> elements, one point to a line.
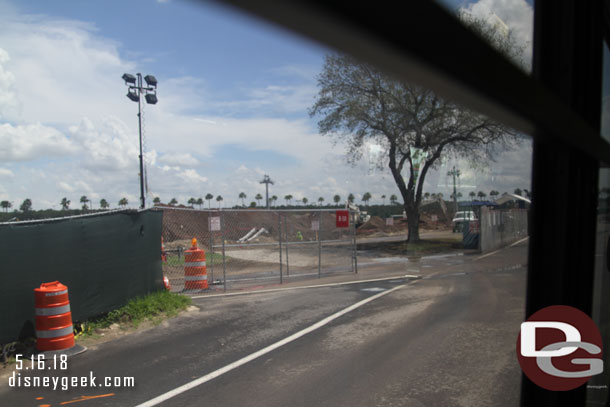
<point>195,272</point>
<point>54,330</point>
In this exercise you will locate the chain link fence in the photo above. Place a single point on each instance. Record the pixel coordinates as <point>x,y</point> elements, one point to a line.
<point>258,246</point>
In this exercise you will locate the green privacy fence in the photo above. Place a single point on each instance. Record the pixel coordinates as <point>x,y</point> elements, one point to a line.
<point>104,259</point>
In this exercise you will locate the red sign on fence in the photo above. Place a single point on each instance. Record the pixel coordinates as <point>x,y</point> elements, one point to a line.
<point>342,219</point>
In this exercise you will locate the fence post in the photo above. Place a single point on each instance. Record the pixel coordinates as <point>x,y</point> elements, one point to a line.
<point>279,229</point>
<point>319,243</point>
<point>224,264</point>
<point>354,247</point>
<point>287,240</point>
<point>211,245</point>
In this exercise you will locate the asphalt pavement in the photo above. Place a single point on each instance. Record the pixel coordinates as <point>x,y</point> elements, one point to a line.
<point>439,332</point>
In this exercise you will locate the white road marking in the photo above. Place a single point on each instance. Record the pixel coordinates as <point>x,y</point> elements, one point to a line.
<point>203,379</point>
<point>499,250</point>
<point>306,286</point>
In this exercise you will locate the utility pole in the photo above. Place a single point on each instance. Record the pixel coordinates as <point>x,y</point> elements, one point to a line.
<point>455,173</point>
<point>266,180</point>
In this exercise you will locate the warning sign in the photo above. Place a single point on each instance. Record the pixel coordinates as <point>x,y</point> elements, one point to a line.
<point>215,223</point>
<point>342,219</point>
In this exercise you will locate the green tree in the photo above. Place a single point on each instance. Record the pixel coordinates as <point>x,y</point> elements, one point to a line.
<point>481,195</point>
<point>383,200</point>
<point>26,206</point>
<point>366,198</point>
<point>199,202</point>
<point>192,201</point>
<point>518,191</point>
<point>219,200</point>
<point>84,200</point>
<point>65,204</point>
<point>459,195</point>
<point>157,200</point>
<point>123,202</point>
<point>358,103</point>
<point>104,204</point>
<point>273,199</point>
<point>351,198</point>
<point>427,196</point>
<point>209,197</point>
<point>258,198</point>
<point>5,205</point>
<point>337,199</point>
<point>288,199</point>
<point>242,196</point>
<point>393,199</point>
<point>305,200</point>
<point>472,194</point>
<point>320,201</point>
<point>173,202</point>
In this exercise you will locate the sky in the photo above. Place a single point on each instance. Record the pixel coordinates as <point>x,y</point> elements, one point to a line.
<point>233,95</point>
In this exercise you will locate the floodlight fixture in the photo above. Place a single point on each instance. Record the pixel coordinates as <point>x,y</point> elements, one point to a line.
<point>151,80</point>
<point>129,78</point>
<point>151,98</point>
<point>133,96</point>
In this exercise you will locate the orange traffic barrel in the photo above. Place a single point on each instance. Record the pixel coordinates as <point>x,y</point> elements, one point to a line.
<point>54,329</point>
<point>195,272</point>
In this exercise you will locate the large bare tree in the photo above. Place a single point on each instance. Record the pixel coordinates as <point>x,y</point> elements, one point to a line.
<point>359,104</point>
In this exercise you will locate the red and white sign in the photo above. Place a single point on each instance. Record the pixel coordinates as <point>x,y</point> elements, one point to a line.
<point>342,219</point>
<point>389,221</point>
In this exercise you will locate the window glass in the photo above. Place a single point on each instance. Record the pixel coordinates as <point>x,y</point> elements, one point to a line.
<point>255,143</point>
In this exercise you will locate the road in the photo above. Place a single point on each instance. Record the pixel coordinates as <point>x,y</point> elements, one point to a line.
<point>447,338</point>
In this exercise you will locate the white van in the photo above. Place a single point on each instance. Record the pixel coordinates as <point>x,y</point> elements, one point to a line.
<point>460,217</point>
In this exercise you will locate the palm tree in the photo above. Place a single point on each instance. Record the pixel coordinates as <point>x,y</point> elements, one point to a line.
<point>305,200</point>
<point>393,199</point>
<point>209,197</point>
<point>493,193</point>
<point>123,202</point>
<point>173,202</point>
<point>320,200</point>
<point>258,198</point>
<point>104,204</point>
<point>242,196</point>
<point>157,200</point>
<point>219,200</point>
<point>472,194</point>
<point>366,198</point>
<point>5,205</point>
<point>481,195</point>
<point>518,191</point>
<point>459,195</point>
<point>433,196</point>
<point>351,198</point>
<point>84,200</point>
<point>65,204</point>
<point>199,202</point>
<point>288,198</point>
<point>440,196</point>
<point>427,196</point>
<point>337,199</point>
<point>273,199</point>
<point>192,201</point>
<point>383,200</point>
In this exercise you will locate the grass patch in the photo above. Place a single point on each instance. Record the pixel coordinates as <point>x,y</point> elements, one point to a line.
<point>153,307</point>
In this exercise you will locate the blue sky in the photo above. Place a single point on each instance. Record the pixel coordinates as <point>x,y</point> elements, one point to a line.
<point>233,99</point>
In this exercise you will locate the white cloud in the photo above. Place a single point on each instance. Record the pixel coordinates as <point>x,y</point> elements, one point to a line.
<point>4,172</point>
<point>31,142</point>
<point>178,159</point>
<point>518,15</point>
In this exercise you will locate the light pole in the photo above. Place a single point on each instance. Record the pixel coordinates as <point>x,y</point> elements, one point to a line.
<point>266,180</point>
<point>134,93</point>
<point>455,173</point>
